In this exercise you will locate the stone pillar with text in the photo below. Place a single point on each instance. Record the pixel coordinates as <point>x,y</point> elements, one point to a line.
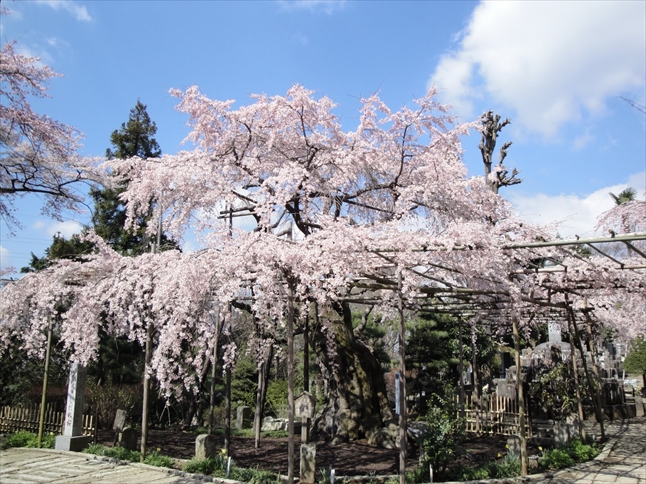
<point>73,438</point>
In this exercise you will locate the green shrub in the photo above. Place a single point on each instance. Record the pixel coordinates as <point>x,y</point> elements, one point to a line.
<point>276,399</point>
<point>444,442</point>
<point>253,476</point>
<point>556,459</point>
<point>581,452</point>
<point>96,449</point>
<point>509,467</point>
<point>114,452</point>
<point>211,466</point>
<point>158,460</point>
<point>566,456</point>
<point>29,439</point>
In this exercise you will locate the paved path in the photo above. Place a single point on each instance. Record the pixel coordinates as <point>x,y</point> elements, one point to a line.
<point>623,461</point>
<point>25,466</point>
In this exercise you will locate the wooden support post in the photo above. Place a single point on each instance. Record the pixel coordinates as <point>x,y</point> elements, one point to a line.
<point>461,372</point>
<point>575,372</point>
<point>305,423</point>
<point>144,415</point>
<point>595,368</point>
<point>402,384</point>
<point>588,377</point>
<point>43,400</point>
<point>227,412</point>
<point>290,384</point>
<point>214,372</point>
<point>521,395</point>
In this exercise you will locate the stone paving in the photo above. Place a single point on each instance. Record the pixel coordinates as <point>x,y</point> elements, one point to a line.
<point>623,461</point>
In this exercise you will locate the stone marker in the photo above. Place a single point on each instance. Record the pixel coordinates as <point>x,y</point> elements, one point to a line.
<point>73,438</point>
<point>513,445</point>
<point>206,446</point>
<point>128,438</point>
<point>308,464</point>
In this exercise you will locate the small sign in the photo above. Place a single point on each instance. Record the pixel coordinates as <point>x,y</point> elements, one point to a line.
<point>304,405</point>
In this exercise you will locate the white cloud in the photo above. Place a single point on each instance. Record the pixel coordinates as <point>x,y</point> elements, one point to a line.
<point>327,6</point>
<point>550,62</point>
<point>583,140</point>
<point>51,228</point>
<point>5,258</point>
<point>577,214</point>
<point>78,11</point>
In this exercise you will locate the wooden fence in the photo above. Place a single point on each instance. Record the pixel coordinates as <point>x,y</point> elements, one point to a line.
<point>494,415</point>
<point>14,419</point>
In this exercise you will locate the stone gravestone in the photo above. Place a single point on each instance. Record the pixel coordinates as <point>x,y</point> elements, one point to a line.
<point>243,417</point>
<point>206,446</point>
<point>128,438</point>
<point>639,406</point>
<point>308,464</point>
<point>513,445</point>
<point>119,421</point>
<point>118,425</point>
<point>73,438</point>
<point>304,406</point>
<point>554,331</point>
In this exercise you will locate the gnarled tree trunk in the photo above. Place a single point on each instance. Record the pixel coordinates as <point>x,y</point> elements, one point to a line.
<point>357,404</point>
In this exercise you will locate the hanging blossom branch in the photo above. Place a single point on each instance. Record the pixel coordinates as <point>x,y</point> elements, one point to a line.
<point>37,153</point>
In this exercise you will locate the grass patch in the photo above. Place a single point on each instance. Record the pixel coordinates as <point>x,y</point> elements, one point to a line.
<point>152,458</point>
<point>217,467</point>
<point>158,460</point>
<point>29,439</point>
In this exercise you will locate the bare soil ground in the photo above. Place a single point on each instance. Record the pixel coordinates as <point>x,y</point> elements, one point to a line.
<point>350,459</point>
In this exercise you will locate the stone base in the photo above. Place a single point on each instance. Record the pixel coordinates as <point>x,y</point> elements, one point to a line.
<point>75,444</point>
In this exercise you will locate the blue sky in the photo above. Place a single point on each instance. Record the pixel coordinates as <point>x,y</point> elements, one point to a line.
<point>557,69</point>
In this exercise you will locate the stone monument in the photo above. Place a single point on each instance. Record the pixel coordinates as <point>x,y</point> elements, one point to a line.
<point>73,438</point>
